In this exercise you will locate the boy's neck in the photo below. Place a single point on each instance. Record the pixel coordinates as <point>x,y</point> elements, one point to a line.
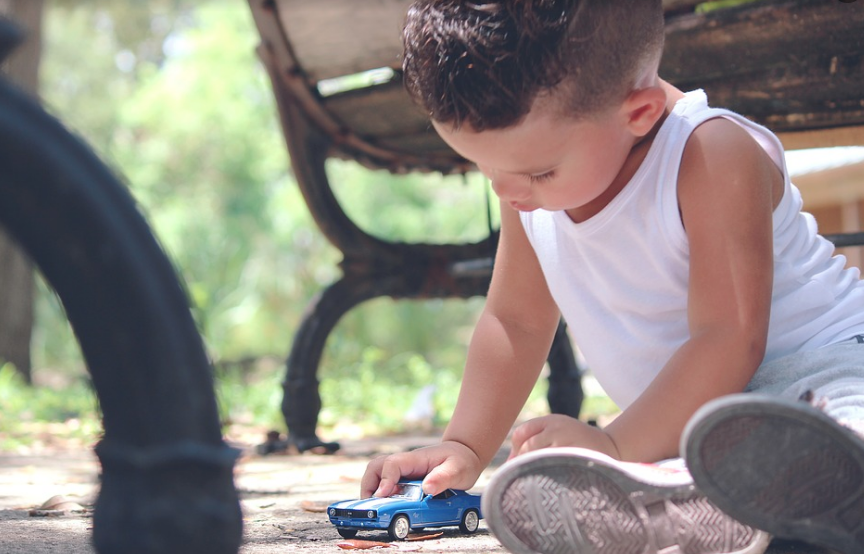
<point>634,160</point>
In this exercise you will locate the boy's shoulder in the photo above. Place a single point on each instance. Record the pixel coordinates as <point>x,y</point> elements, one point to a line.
<point>722,134</point>
<point>720,148</point>
<point>723,168</point>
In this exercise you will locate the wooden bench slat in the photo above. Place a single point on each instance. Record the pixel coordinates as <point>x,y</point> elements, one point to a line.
<point>792,64</point>
<point>385,110</point>
<point>333,38</point>
<point>796,66</point>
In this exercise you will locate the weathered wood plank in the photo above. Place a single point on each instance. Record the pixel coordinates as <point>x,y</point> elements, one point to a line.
<point>795,65</point>
<point>791,64</point>
<point>332,38</point>
<point>384,110</point>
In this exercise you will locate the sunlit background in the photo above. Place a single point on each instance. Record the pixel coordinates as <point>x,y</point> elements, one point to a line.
<point>171,95</point>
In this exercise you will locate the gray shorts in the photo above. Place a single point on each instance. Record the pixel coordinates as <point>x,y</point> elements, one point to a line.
<point>834,374</point>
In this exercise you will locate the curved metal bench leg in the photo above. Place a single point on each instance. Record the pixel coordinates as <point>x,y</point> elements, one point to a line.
<point>301,402</point>
<point>565,377</point>
<point>167,480</point>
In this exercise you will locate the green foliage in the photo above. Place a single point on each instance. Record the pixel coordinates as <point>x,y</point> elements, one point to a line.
<point>250,398</point>
<point>417,207</point>
<point>171,95</point>
<point>193,129</point>
<point>385,388</point>
<point>22,405</point>
<point>53,344</point>
<point>194,132</point>
<point>205,156</point>
<point>43,403</point>
<point>720,4</point>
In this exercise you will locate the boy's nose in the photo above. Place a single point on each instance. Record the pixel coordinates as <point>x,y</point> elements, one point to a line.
<point>509,189</point>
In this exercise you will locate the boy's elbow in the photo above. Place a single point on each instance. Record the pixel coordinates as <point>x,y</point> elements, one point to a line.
<point>754,341</point>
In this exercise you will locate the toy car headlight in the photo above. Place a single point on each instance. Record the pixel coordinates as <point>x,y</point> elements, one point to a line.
<point>370,514</point>
<point>332,512</point>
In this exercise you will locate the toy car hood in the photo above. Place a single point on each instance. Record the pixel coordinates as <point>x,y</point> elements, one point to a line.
<point>367,503</point>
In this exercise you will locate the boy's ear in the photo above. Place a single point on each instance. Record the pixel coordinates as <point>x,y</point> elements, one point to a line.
<point>643,108</point>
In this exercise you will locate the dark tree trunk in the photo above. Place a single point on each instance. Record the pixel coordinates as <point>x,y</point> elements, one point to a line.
<point>16,271</point>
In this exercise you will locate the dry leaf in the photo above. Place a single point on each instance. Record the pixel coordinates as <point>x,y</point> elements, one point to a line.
<point>59,502</point>
<point>424,536</point>
<point>358,544</point>
<point>313,507</point>
<point>57,505</point>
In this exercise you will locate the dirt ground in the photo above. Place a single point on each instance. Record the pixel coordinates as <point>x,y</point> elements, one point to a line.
<point>275,491</point>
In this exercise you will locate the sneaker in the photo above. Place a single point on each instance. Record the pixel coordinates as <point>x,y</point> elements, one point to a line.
<point>571,500</point>
<point>781,466</point>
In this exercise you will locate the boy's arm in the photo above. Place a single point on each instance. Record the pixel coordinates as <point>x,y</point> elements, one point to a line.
<point>509,346</point>
<point>727,191</point>
<point>510,343</point>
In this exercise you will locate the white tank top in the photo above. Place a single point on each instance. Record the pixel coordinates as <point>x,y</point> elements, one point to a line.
<point>620,278</point>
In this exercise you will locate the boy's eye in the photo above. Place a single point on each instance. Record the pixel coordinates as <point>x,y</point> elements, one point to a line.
<point>541,177</point>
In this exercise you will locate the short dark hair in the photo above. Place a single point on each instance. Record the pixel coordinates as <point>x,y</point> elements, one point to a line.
<point>484,63</point>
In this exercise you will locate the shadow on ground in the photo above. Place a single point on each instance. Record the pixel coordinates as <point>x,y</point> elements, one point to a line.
<point>280,497</point>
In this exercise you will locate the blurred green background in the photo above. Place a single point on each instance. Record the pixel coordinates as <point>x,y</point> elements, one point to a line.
<point>171,95</point>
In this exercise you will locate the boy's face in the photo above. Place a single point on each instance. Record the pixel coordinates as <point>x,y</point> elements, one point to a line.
<point>548,161</point>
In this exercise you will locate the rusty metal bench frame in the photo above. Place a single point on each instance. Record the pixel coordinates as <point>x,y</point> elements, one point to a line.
<point>371,267</point>
<point>794,65</point>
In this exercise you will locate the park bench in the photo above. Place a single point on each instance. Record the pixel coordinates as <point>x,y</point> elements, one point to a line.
<point>793,65</point>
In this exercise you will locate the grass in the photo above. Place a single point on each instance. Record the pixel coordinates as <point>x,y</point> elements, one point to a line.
<point>66,412</point>
<point>35,417</point>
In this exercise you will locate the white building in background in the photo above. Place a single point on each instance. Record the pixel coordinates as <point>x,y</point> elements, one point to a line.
<point>831,181</point>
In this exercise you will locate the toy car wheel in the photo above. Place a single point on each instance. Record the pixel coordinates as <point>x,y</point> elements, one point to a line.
<point>470,521</point>
<point>399,528</point>
<point>347,533</point>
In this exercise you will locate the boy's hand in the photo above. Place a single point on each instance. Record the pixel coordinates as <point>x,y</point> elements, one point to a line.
<point>447,465</point>
<point>560,430</point>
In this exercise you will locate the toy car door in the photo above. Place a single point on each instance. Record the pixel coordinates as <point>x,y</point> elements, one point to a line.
<point>441,508</point>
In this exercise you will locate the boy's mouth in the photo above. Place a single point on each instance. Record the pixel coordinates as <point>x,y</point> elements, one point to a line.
<point>519,207</point>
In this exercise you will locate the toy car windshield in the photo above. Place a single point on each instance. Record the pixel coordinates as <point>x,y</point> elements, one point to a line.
<point>408,491</point>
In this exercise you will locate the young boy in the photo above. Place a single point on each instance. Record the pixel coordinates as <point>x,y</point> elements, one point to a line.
<point>668,235</point>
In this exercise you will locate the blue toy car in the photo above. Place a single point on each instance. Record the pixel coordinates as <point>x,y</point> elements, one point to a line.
<point>405,510</point>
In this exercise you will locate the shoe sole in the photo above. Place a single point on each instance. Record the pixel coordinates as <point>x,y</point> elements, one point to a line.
<point>781,466</point>
<point>566,501</point>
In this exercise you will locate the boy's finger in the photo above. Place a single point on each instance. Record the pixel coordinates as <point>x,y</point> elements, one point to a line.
<point>391,472</point>
<point>392,469</point>
<point>452,473</point>
<point>371,478</point>
<point>535,442</point>
<point>523,434</point>
<point>438,480</point>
